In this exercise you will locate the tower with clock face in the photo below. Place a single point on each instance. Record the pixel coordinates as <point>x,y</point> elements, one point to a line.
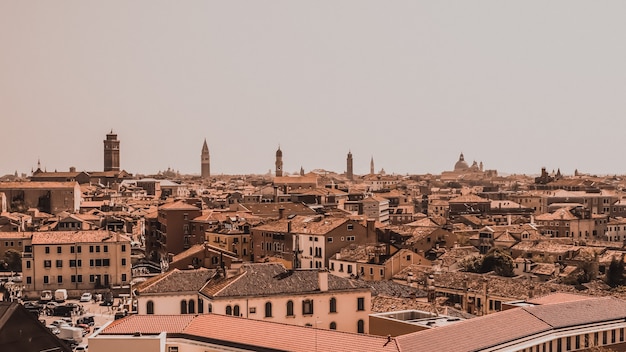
<point>111,152</point>
<point>279,162</point>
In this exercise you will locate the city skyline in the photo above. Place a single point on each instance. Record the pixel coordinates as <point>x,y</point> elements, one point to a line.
<point>518,86</point>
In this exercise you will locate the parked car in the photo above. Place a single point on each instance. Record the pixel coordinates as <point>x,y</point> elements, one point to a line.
<point>87,319</point>
<point>86,297</point>
<point>81,348</point>
<point>58,322</point>
<point>52,305</point>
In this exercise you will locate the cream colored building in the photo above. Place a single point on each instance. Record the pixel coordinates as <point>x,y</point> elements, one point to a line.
<point>76,260</point>
<point>269,292</point>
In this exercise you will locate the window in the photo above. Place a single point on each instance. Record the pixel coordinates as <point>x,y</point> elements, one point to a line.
<point>192,306</point>
<point>360,303</point>
<point>123,248</point>
<point>106,262</point>
<point>47,250</point>
<point>307,307</point>
<point>333,305</point>
<point>123,277</point>
<point>229,310</point>
<point>59,250</point>
<point>60,279</point>
<point>333,326</point>
<point>360,326</point>
<point>124,261</point>
<point>236,310</point>
<point>329,239</point>
<point>90,249</point>
<point>289,308</point>
<point>150,307</point>
<point>29,280</point>
<point>46,280</point>
<point>59,263</point>
<point>172,349</point>
<point>200,305</point>
<point>350,238</point>
<point>79,278</point>
<point>106,249</point>
<point>183,307</point>
<point>268,309</point>
<point>97,249</point>
<point>72,249</point>
<point>78,249</point>
<point>350,227</point>
<point>28,264</point>
<point>47,263</point>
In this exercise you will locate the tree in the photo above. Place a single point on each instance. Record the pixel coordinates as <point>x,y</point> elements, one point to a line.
<point>13,259</point>
<point>615,272</point>
<point>498,261</point>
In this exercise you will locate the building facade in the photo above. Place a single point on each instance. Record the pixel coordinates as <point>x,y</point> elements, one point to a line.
<point>76,260</point>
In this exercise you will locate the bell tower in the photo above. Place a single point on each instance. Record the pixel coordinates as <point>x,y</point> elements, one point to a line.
<point>349,169</point>
<point>205,159</point>
<point>279,162</point>
<point>111,152</point>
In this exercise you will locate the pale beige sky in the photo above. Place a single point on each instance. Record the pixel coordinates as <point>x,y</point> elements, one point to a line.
<point>515,84</point>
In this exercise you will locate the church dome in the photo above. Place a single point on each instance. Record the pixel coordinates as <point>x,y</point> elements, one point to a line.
<point>461,164</point>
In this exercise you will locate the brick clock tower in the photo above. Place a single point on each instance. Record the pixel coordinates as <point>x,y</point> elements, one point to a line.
<point>206,161</point>
<point>279,162</point>
<point>111,152</point>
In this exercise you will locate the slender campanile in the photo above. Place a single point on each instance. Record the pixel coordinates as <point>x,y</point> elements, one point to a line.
<point>205,161</point>
<point>279,162</point>
<point>349,167</point>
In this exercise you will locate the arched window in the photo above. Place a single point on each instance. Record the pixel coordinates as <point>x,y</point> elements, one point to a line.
<point>290,308</point>
<point>229,310</point>
<point>236,310</point>
<point>268,309</point>
<point>200,305</point>
<point>183,307</point>
<point>360,326</point>
<point>333,326</point>
<point>333,305</point>
<point>150,307</point>
<point>192,306</point>
<point>210,308</point>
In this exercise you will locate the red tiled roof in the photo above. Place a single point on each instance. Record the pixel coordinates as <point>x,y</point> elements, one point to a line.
<point>251,333</point>
<point>149,324</point>
<point>65,237</point>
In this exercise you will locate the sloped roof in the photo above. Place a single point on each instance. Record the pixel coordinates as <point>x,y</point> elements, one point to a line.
<point>176,281</point>
<point>272,279</point>
<point>507,326</point>
<point>250,334</point>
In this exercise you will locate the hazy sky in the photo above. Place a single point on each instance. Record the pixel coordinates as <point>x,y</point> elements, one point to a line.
<point>515,84</point>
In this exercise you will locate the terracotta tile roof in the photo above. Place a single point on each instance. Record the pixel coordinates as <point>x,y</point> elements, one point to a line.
<point>66,237</point>
<point>148,324</point>
<point>43,185</point>
<point>469,198</point>
<point>475,334</point>
<point>176,281</point>
<point>272,279</point>
<point>315,225</point>
<point>15,235</point>
<point>180,205</point>
<point>249,334</point>
<point>558,297</point>
<point>262,334</point>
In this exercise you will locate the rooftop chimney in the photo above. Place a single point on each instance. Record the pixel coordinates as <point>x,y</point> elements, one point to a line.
<point>281,212</point>
<point>322,280</point>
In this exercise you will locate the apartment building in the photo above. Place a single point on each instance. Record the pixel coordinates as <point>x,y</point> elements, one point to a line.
<point>76,260</point>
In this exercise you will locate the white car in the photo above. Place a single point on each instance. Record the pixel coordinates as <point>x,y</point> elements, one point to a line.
<point>86,297</point>
<point>81,348</point>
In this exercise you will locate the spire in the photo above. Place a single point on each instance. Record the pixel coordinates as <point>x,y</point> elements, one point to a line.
<point>205,147</point>
<point>372,166</point>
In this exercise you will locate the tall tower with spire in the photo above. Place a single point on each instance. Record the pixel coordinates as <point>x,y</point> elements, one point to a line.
<point>205,160</point>
<point>279,162</point>
<point>349,167</point>
<point>372,166</point>
<point>111,152</point>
